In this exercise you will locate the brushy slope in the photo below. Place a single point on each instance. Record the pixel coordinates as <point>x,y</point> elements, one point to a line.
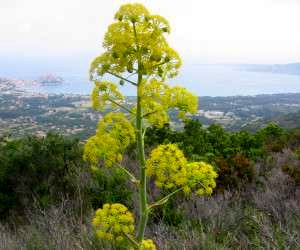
<point>261,212</point>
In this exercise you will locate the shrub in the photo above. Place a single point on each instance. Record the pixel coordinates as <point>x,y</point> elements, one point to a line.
<point>294,138</point>
<point>234,172</point>
<point>293,171</point>
<point>46,170</point>
<point>109,186</point>
<point>199,143</point>
<point>274,137</point>
<point>159,135</point>
<point>38,169</point>
<point>297,153</point>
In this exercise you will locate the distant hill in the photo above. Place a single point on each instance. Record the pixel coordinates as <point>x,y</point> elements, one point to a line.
<point>250,112</point>
<point>288,121</point>
<point>50,79</point>
<point>23,112</point>
<point>291,68</point>
<point>291,120</point>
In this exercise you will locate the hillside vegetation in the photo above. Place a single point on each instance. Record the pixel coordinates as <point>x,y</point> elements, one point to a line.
<point>48,193</point>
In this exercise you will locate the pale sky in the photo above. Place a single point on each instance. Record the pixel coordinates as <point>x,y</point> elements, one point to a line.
<point>204,31</point>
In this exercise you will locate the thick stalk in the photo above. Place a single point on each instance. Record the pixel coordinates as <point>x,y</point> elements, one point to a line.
<point>141,157</point>
<point>140,147</point>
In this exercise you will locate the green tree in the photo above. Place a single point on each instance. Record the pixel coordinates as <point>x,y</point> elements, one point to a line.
<point>137,53</point>
<point>273,137</point>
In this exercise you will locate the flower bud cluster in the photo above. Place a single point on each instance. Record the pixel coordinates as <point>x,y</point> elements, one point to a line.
<point>103,93</point>
<point>148,245</point>
<point>200,176</point>
<point>102,147</point>
<point>170,170</point>
<point>114,222</point>
<point>113,135</point>
<point>167,165</point>
<point>158,98</point>
<point>123,50</point>
<point>117,125</point>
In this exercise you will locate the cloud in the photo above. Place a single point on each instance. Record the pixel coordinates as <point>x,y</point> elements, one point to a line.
<point>25,27</point>
<point>209,31</point>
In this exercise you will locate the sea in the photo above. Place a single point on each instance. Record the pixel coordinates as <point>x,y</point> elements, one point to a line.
<point>201,79</point>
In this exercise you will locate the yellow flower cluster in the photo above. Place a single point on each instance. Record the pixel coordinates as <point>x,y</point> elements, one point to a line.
<point>154,102</point>
<point>148,245</point>
<point>102,147</point>
<point>113,222</point>
<point>117,125</point>
<point>182,99</point>
<point>158,98</point>
<point>167,165</point>
<point>132,13</point>
<point>200,176</point>
<point>113,135</point>
<point>105,93</point>
<point>170,170</point>
<point>136,36</point>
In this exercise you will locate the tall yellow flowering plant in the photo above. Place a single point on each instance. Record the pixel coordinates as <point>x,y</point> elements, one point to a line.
<point>137,53</point>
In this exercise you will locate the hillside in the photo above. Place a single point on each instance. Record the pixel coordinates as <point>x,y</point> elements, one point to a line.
<point>239,112</point>
<point>23,112</point>
<point>289,120</point>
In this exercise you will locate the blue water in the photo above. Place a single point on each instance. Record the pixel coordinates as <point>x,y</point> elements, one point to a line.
<point>202,80</point>
<point>218,80</point>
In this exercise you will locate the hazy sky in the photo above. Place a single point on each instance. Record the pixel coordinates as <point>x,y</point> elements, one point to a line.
<point>205,31</point>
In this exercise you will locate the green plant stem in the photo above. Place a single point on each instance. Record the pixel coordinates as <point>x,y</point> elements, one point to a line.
<point>143,182</point>
<point>121,77</point>
<point>164,199</point>
<point>120,105</point>
<point>141,157</point>
<point>150,113</point>
<point>134,243</point>
<point>131,175</point>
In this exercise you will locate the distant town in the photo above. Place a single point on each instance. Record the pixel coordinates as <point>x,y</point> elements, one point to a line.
<point>24,112</point>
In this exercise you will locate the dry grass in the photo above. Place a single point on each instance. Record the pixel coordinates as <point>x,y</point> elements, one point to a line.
<point>265,216</point>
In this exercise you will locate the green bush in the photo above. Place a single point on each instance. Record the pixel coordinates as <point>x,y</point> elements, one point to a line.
<point>232,153</point>
<point>109,186</point>
<point>47,170</point>
<point>293,171</point>
<point>37,169</point>
<point>297,153</point>
<point>234,172</point>
<point>293,137</point>
<point>273,137</point>
<point>170,214</point>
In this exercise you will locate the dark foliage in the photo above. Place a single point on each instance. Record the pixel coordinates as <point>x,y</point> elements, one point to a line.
<point>232,153</point>
<point>37,169</point>
<point>109,186</point>
<point>45,170</point>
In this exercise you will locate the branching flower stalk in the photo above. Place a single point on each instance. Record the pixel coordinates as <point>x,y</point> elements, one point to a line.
<point>135,46</point>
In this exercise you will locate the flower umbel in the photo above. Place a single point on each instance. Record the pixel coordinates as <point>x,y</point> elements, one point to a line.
<point>117,125</point>
<point>148,245</point>
<point>159,98</point>
<point>167,165</point>
<point>114,222</point>
<point>105,93</point>
<point>113,135</point>
<point>200,176</point>
<point>170,169</point>
<point>102,147</point>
